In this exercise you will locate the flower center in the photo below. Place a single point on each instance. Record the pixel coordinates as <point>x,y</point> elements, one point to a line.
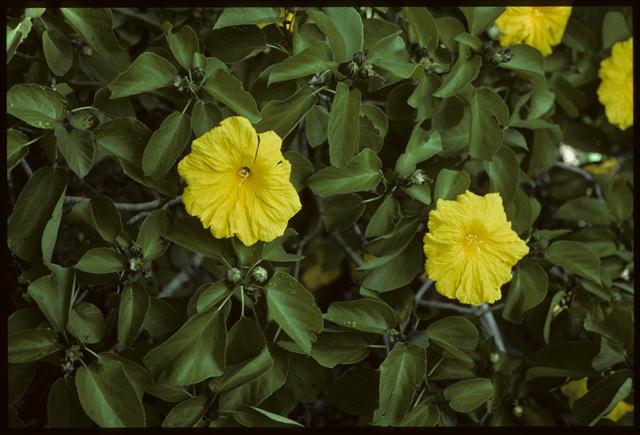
<point>472,240</point>
<point>244,173</point>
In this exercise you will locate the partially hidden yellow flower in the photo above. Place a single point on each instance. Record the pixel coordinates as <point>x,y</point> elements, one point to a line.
<point>574,390</point>
<point>321,270</point>
<point>238,182</point>
<point>602,168</point>
<point>286,21</point>
<point>616,89</point>
<point>541,27</point>
<point>471,248</point>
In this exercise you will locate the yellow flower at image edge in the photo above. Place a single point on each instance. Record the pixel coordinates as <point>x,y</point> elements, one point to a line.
<point>574,390</point>
<point>471,248</point>
<point>541,27</point>
<point>616,90</point>
<point>287,20</point>
<point>238,182</point>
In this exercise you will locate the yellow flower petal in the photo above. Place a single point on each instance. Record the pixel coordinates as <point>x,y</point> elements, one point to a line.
<point>471,248</point>
<point>238,182</point>
<point>619,411</point>
<point>287,20</point>
<point>541,27</point>
<point>603,168</point>
<point>574,390</point>
<point>616,89</point>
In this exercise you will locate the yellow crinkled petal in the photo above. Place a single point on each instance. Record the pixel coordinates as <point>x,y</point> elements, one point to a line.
<point>471,248</point>
<point>616,88</point>
<point>238,185</point>
<point>541,27</point>
<point>603,168</point>
<point>574,390</point>
<point>619,411</point>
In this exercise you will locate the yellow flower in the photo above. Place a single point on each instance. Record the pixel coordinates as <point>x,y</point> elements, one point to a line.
<point>287,20</point>
<point>602,168</point>
<point>574,390</point>
<point>619,411</point>
<point>616,90</point>
<point>471,248</point>
<point>541,27</point>
<point>238,182</point>
<point>320,270</point>
<point>578,388</point>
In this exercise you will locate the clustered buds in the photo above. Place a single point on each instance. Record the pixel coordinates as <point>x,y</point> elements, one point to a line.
<point>234,275</point>
<point>495,56</point>
<point>71,356</point>
<point>259,275</point>
<point>358,67</point>
<point>417,178</point>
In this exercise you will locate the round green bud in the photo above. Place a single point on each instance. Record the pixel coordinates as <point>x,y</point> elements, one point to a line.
<point>86,50</point>
<point>234,275</point>
<point>136,264</point>
<point>494,357</point>
<point>518,410</point>
<point>259,274</point>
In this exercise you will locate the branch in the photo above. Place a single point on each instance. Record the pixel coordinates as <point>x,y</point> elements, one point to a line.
<point>26,167</point>
<point>353,254</point>
<point>490,326</point>
<point>150,205</point>
<point>181,278</point>
<point>142,214</point>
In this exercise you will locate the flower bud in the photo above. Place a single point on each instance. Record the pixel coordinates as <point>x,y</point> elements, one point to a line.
<point>359,58</point>
<point>518,410</point>
<point>259,274</point>
<point>135,264</point>
<point>234,275</point>
<point>494,357</point>
<point>86,50</point>
<point>418,177</point>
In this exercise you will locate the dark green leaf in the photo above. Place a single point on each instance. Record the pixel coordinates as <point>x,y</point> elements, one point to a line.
<point>36,105</point>
<point>145,74</point>
<point>228,89</point>
<point>468,395</point>
<point>363,173</point>
<point>166,144</point>
<point>343,129</point>
<point>134,303</point>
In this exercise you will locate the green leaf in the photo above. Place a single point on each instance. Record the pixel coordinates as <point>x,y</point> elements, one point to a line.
<point>293,308</point>
<point>228,89</point>
<point>423,25</point>
<point>456,335</point>
<point>50,232</point>
<point>211,294</point>
<point>19,377</point>
<point>283,116</point>
<point>17,148</point>
<point>348,23</point>
<point>150,236</point>
<point>145,74</point>
<point>395,241</point>
<point>36,105</point>
<point>239,16</point>
<point>330,29</point>
<point>187,413</point>
<point>562,359</point>
<point>339,347</point>
<point>422,415</point>
<point>52,293</point>
<point>77,148</point>
<point>616,326</point>
<point>243,372</point>
<point>16,35</point>
<point>162,318</point>
<point>450,184</point>
<point>575,257</point>
<point>32,211</point>
<point>463,72</point>
<point>166,144</point>
<point>134,304</point>
<point>343,129</point>
<point>32,345</point>
<point>57,51</point>
<point>108,396</point>
<point>314,59</point>
<point>256,417</point>
<point>619,198</point>
<point>123,138</point>
<point>381,221</point>
<point>301,169</point>
<point>614,29</point>
<point>204,117</point>
<point>316,125</point>
<point>503,171</point>
<point>366,315</point>
<point>189,233</point>
<point>489,114</point>
<point>424,145</point>
<point>526,60</point>
<point>183,45</point>
<point>528,289</point>
<point>468,395</point>
<point>95,26</point>
<point>86,323</point>
<point>101,214</point>
<point>342,211</point>
<point>590,210</point>
<point>396,270</point>
<point>480,18</point>
<point>363,173</point>
<point>101,260</point>
<point>401,374</point>
<point>422,97</point>
<point>603,397</point>
<point>63,406</point>
<point>193,353</point>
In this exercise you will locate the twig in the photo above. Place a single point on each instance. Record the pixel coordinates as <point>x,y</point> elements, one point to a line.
<point>423,289</point>
<point>306,239</point>
<point>448,306</point>
<point>142,214</point>
<point>353,254</point>
<point>121,206</point>
<point>490,326</point>
<point>26,167</point>
<point>181,278</point>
